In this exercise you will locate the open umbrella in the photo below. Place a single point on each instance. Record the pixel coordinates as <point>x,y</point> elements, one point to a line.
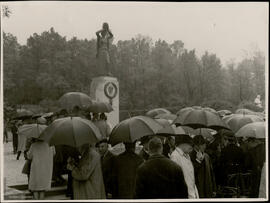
<point>167,116</point>
<point>224,112</point>
<point>172,130</point>
<point>210,109</point>
<point>47,115</point>
<point>255,130</point>
<point>134,128</point>
<point>207,133</point>
<point>200,118</point>
<point>100,107</point>
<point>183,110</point>
<point>31,130</point>
<point>163,122</point>
<point>154,112</point>
<point>71,99</point>
<point>244,111</point>
<point>71,131</point>
<point>238,120</point>
<point>41,120</point>
<point>23,113</point>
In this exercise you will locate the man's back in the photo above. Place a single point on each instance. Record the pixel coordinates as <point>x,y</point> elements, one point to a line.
<point>124,173</point>
<point>159,177</point>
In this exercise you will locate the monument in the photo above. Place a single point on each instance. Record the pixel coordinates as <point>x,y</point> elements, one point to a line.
<point>105,88</point>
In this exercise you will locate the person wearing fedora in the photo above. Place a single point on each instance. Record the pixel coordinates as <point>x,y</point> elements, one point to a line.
<point>184,146</point>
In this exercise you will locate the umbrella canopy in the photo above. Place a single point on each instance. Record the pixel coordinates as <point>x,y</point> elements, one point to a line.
<point>154,112</point>
<point>255,130</point>
<point>237,121</point>
<point>210,109</point>
<point>172,130</point>
<point>41,120</point>
<point>71,99</point>
<point>207,133</point>
<point>100,107</point>
<point>134,128</point>
<point>224,112</point>
<point>200,118</point>
<point>71,131</point>
<point>249,112</point>
<point>163,122</point>
<point>23,113</point>
<point>183,110</point>
<point>47,115</point>
<point>167,116</point>
<point>31,130</point>
<point>244,111</point>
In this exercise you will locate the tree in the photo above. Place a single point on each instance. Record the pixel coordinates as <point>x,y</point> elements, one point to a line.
<point>6,11</point>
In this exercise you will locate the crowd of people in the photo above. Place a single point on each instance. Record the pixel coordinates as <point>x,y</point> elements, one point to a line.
<point>165,167</point>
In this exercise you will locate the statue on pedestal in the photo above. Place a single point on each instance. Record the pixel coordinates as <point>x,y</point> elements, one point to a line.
<point>104,39</point>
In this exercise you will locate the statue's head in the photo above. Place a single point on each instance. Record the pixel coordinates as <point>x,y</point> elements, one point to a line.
<point>105,26</point>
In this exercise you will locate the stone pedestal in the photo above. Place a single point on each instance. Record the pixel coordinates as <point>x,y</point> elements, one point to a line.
<point>106,89</point>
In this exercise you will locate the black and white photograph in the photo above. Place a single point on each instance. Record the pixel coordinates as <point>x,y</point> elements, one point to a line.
<point>134,101</point>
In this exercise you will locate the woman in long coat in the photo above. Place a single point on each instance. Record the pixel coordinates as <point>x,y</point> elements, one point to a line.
<point>87,175</point>
<point>41,155</point>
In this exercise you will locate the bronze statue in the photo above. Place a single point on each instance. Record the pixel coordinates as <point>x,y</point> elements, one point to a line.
<point>104,38</point>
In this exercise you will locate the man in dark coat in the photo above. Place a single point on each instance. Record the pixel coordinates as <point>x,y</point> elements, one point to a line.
<point>159,177</point>
<point>203,170</point>
<point>232,158</point>
<point>255,161</point>
<point>125,167</point>
<point>14,130</point>
<point>106,164</point>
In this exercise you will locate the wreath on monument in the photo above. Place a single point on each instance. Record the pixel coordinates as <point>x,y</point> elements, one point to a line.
<point>110,90</point>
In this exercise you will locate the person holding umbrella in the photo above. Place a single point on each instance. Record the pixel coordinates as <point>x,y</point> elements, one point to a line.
<point>87,175</point>
<point>124,171</point>
<point>204,175</point>
<point>184,146</point>
<point>41,156</point>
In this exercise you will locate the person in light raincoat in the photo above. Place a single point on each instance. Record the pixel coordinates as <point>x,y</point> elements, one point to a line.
<point>87,175</point>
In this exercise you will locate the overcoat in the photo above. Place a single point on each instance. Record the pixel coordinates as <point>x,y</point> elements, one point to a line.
<point>87,177</point>
<point>160,178</point>
<point>41,156</point>
<point>125,167</point>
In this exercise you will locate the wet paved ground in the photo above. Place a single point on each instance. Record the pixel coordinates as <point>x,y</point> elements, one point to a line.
<point>15,183</point>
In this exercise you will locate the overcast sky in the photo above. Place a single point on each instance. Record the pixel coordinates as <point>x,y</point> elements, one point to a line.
<point>226,29</point>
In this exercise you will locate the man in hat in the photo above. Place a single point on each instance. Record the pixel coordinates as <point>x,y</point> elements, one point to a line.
<point>125,167</point>
<point>232,157</point>
<point>159,177</point>
<point>180,155</point>
<point>106,164</point>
